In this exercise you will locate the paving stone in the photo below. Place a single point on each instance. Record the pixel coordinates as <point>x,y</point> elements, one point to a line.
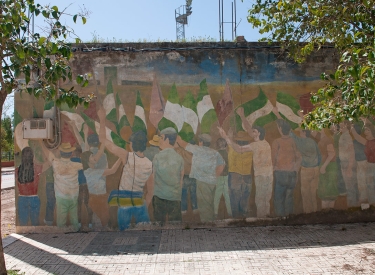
<point>320,249</point>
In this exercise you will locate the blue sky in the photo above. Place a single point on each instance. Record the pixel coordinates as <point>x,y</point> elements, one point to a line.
<point>153,20</point>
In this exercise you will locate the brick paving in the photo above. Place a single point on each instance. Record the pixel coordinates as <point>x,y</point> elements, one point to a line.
<point>318,249</point>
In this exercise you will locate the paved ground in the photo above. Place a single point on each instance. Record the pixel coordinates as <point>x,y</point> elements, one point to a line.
<point>7,177</point>
<point>319,249</point>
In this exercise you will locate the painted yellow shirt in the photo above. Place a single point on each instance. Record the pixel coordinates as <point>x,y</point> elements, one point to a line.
<point>240,163</point>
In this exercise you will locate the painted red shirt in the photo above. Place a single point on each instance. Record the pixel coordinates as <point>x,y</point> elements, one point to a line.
<point>30,188</point>
<point>370,151</point>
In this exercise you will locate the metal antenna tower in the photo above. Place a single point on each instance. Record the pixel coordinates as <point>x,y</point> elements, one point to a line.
<point>233,22</point>
<point>181,15</point>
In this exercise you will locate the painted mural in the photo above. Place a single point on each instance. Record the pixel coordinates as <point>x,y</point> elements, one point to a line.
<point>185,138</point>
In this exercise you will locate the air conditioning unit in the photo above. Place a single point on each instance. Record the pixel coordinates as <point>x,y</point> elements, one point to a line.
<point>38,128</point>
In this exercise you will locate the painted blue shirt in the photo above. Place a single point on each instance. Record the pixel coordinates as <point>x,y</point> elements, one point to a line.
<point>81,175</point>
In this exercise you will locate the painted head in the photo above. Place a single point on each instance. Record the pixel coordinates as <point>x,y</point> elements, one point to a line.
<point>66,150</point>
<point>26,169</point>
<point>369,131</point>
<point>258,133</point>
<point>168,138</point>
<point>221,144</point>
<point>93,140</point>
<point>283,127</point>
<point>204,140</point>
<point>334,128</point>
<point>138,141</point>
<point>154,141</point>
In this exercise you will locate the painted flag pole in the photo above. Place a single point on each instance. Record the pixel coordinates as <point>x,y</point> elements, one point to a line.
<point>157,106</point>
<point>224,107</point>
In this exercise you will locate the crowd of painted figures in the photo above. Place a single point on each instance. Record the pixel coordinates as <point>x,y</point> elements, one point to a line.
<point>172,176</point>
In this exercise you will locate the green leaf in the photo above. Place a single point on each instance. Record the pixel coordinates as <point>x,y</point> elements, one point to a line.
<point>75,18</point>
<point>42,40</point>
<point>83,20</point>
<point>79,79</point>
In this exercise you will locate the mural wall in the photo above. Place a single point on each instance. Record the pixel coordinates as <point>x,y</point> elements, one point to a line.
<point>189,136</point>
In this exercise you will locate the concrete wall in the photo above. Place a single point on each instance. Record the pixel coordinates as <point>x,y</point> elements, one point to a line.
<point>189,89</point>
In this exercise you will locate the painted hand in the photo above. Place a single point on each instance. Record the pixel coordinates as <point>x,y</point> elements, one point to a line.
<point>322,170</point>
<point>222,132</point>
<point>275,110</point>
<point>240,111</point>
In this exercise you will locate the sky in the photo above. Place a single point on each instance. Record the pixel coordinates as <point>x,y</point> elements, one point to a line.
<point>154,20</point>
<point>150,21</point>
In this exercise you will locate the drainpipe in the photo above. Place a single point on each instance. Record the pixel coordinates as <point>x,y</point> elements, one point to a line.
<point>56,127</point>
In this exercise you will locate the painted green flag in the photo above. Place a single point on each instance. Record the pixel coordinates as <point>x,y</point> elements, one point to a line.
<point>110,105</point>
<point>258,111</point>
<point>205,109</point>
<point>122,118</point>
<point>189,112</point>
<point>139,123</point>
<point>173,112</point>
<point>289,107</point>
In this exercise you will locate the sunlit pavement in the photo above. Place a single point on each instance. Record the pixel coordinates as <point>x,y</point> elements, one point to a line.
<point>7,177</point>
<point>320,249</point>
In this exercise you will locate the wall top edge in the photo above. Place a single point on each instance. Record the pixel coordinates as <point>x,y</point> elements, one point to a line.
<point>171,46</point>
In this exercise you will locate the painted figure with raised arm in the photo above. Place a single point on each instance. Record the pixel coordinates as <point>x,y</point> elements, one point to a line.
<point>94,161</point>
<point>369,149</point>
<point>168,168</point>
<point>222,180</point>
<point>286,161</point>
<point>262,162</point>
<point>207,166</point>
<point>83,195</point>
<point>136,172</point>
<point>65,173</point>
<point>311,159</point>
<point>347,160</point>
<point>327,189</point>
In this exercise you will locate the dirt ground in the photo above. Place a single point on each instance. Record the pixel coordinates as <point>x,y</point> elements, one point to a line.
<point>8,213</point>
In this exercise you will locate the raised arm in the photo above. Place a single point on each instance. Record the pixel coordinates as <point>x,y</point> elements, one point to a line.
<point>275,110</point>
<point>182,143</point>
<point>114,149</point>
<point>330,157</point>
<point>99,153</point>
<point>113,169</point>
<point>245,123</point>
<point>357,136</point>
<point>47,153</point>
<point>231,143</point>
<point>78,137</point>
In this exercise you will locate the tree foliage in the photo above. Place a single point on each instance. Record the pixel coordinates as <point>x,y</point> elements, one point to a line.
<point>36,62</point>
<point>6,134</point>
<point>41,60</point>
<point>305,26</point>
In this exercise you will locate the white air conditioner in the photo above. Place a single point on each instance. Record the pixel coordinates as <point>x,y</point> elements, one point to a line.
<point>38,128</point>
